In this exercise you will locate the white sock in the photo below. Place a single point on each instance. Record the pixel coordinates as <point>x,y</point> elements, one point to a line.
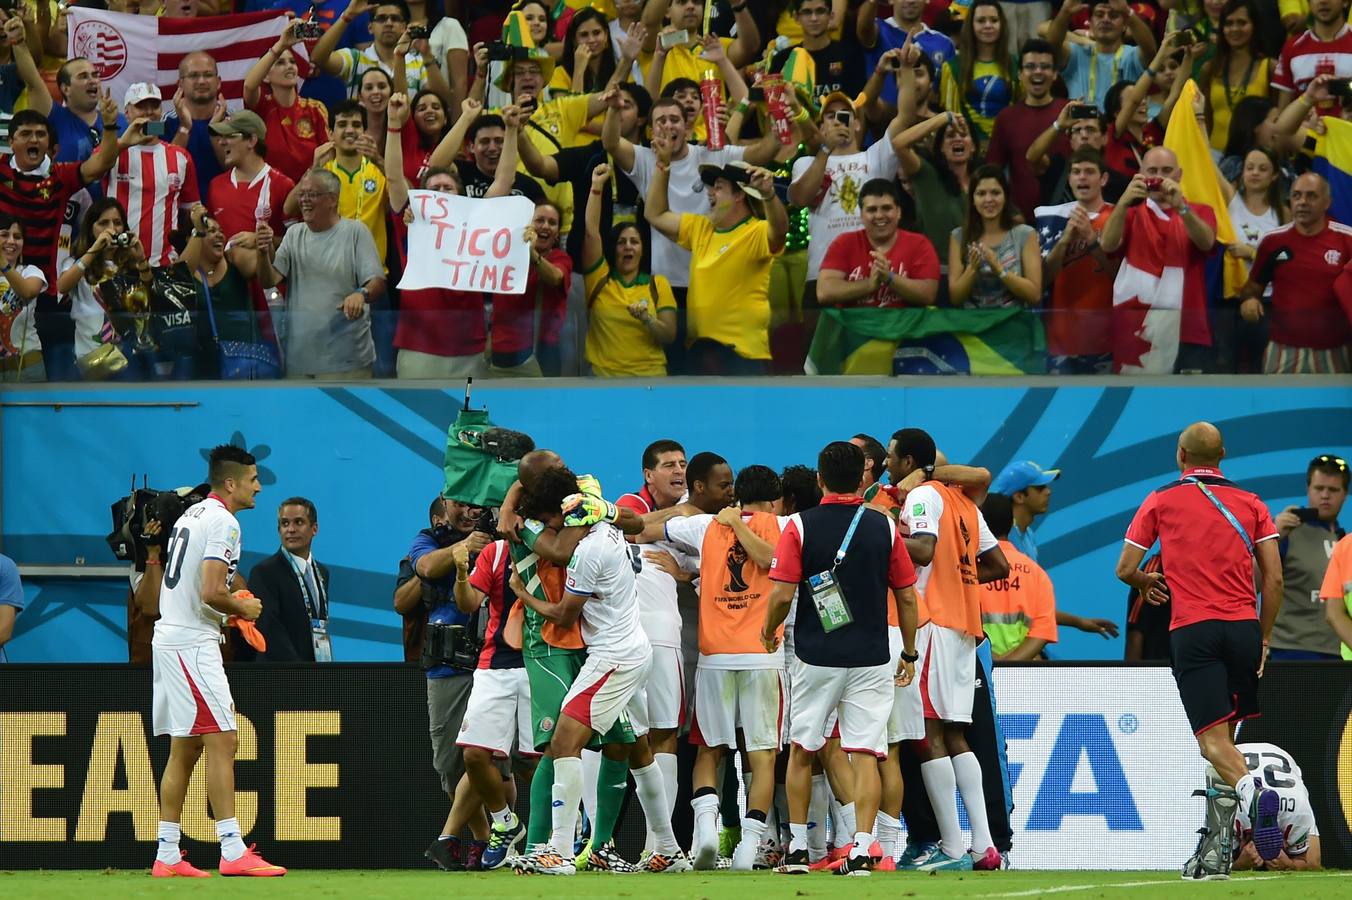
<point>591,772</point>
<point>847,822</point>
<point>818,809</point>
<point>798,839</point>
<point>1246,788</point>
<point>503,817</point>
<point>744,856</point>
<point>705,808</point>
<point>887,829</point>
<point>863,840</point>
<point>666,762</point>
<point>567,794</point>
<point>167,852</point>
<point>652,793</point>
<point>967,772</point>
<point>940,783</point>
<point>232,845</point>
<point>837,837</point>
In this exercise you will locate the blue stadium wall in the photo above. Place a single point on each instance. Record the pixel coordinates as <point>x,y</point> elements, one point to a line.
<point>370,458</point>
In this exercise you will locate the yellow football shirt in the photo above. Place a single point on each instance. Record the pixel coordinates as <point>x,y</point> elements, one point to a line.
<point>729,296</point>
<point>618,345</point>
<point>362,197</point>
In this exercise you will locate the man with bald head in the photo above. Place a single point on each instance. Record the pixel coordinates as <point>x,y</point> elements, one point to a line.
<point>1210,532</point>
<point>1306,263</point>
<point>197,103</point>
<point>1159,295</point>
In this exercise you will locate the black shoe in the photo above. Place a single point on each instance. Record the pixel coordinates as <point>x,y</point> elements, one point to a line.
<point>857,865</point>
<point>795,863</point>
<point>448,854</point>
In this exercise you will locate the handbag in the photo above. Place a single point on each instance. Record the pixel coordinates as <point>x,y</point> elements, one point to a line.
<point>241,360</point>
<point>101,363</point>
<point>174,330</point>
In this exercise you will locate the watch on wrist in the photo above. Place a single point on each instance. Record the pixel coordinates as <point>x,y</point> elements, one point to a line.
<point>365,294</point>
<point>910,657</point>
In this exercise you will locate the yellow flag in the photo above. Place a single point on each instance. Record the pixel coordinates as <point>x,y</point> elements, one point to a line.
<point>1201,181</point>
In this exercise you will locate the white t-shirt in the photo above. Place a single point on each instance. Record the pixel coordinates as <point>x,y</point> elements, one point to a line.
<point>685,194</point>
<point>448,35</point>
<point>18,328</point>
<point>689,531</point>
<point>924,509</point>
<point>1249,228</point>
<point>839,210</point>
<point>1278,771</point>
<point>657,610</point>
<point>206,530</point>
<point>85,310</point>
<point>604,569</point>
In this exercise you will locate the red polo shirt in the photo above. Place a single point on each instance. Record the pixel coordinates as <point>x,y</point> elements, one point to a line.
<point>641,502</point>
<point>1209,570</point>
<point>1305,308</point>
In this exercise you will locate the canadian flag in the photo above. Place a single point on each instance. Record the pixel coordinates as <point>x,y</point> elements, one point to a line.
<point>126,49</point>
<point>1160,269</point>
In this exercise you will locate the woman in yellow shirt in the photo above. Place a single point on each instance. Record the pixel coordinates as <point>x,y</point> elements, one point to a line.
<point>1238,70</point>
<point>631,313</point>
<point>588,60</point>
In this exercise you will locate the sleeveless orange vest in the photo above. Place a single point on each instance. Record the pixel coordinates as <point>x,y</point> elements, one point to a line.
<point>952,596</point>
<point>733,590</point>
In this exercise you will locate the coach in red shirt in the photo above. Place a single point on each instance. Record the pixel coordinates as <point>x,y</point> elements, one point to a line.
<point>1309,331</point>
<point>879,265</point>
<point>1210,532</point>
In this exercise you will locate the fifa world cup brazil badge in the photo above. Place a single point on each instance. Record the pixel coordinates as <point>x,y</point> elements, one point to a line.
<point>546,724</point>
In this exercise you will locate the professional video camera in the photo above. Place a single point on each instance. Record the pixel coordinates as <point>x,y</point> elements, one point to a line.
<point>128,539</point>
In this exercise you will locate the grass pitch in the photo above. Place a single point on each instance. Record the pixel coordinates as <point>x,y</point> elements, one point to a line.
<point>398,883</point>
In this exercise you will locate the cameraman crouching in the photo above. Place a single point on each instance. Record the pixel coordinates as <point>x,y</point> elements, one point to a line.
<point>433,557</point>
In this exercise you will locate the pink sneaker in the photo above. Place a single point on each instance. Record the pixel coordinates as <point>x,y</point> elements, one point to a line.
<point>251,864</point>
<point>987,862</point>
<point>831,861</point>
<point>180,869</point>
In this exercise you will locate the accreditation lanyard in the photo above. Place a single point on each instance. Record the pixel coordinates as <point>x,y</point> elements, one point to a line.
<point>316,607</point>
<point>1093,72</point>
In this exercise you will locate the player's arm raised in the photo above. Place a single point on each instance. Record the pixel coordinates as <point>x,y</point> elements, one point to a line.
<point>218,595</point>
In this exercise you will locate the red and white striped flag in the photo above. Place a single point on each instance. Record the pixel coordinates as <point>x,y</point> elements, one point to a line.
<point>126,48</point>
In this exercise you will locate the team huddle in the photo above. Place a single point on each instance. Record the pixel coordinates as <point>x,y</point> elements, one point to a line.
<point>840,646</point>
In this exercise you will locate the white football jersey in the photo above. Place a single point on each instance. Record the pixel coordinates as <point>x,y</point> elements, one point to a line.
<point>604,570</point>
<point>657,607</point>
<point>205,531</point>
<point>1278,771</point>
<point>924,508</point>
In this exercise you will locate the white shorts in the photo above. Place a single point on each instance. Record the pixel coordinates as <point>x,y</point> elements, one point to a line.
<point>946,672</point>
<point>191,695</point>
<point>863,697</point>
<point>498,713</point>
<point>603,691</point>
<point>728,699</point>
<point>908,711</point>
<point>663,703</point>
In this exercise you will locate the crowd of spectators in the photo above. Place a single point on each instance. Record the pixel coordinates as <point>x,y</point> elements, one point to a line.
<point>701,199</point>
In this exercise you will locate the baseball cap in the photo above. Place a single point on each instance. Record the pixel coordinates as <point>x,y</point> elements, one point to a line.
<point>140,91</point>
<point>241,122</point>
<point>1021,475</point>
<point>839,97</point>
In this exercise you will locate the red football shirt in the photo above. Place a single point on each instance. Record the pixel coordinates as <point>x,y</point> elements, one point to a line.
<point>1209,570</point>
<point>1305,56</point>
<point>514,315</point>
<point>435,320</point>
<point>912,256</point>
<point>293,132</point>
<point>238,205</point>
<point>1305,308</point>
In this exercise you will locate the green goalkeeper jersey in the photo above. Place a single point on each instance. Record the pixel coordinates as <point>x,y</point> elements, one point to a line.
<point>527,563</point>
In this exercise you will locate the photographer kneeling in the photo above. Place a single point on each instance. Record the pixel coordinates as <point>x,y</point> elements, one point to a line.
<point>449,657</point>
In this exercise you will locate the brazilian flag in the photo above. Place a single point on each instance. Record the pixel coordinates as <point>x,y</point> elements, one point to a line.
<point>928,341</point>
<point>474,474</point>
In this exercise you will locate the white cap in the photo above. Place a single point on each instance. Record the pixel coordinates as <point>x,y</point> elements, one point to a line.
<point>141,91</point>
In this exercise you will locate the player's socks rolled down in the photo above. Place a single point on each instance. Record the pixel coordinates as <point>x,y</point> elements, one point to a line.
<point>967,773</point>
<point>818,808</point>
<point>744,857</point>
<point>567,795</point>
<point>591,772</point>
<point>167,851</point>
<point>232,845</point>
<point>940,783</point>
<point>541,824</point>
<point>652,794</point>
<point>611,781</point>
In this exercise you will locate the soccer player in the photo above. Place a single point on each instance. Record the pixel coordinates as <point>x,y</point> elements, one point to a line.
<point>738,685</point>
<point>192,702</point>
<point>944,524</point>
<point>1300,833</point>
<point>601,595</point>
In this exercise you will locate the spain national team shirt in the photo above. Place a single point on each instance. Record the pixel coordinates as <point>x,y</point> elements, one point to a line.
<point>1337,586</point>
<point>1210,570</point>
<point>152,182</point>
<point>294,132</point>
<point>361,196</point>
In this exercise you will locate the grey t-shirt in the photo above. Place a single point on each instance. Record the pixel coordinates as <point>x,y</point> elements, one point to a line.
<point>322,268</point>
<point>990,292</point>
<point>1301,624</point>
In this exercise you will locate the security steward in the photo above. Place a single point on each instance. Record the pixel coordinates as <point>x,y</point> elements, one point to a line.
<point>845,562</point>
<point>1211,531</point>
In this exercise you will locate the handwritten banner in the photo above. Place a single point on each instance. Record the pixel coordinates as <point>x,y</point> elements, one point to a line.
<point>463,244</point>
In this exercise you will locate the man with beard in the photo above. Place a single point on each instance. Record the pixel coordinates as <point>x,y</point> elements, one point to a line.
<point>1018,125</point>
